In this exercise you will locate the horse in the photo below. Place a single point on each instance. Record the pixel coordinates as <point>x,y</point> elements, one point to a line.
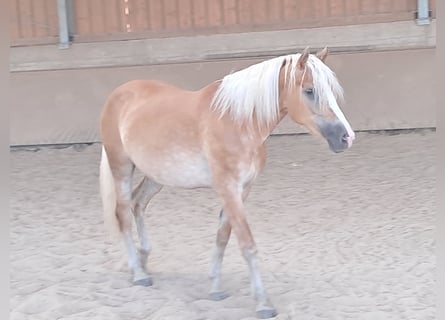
<point>214,138</point>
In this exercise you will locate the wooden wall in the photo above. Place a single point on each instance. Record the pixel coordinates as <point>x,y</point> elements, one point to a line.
<point>35,21</point>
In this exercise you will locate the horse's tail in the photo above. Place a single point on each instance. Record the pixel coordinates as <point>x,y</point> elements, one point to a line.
<point>108,194</point>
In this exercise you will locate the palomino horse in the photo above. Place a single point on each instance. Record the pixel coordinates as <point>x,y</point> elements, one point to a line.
<point>213,137</point>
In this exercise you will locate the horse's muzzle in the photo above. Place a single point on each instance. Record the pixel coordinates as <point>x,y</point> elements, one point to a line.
<point>335,134</point>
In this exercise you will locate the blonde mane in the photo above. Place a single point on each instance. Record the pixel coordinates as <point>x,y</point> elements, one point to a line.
<point>255,89</point>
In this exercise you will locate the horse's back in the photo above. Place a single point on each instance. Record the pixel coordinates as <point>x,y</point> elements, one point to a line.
<point>135,97</point>
<point>131,91</point>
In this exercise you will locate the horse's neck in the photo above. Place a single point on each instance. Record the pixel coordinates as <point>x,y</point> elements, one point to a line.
<point>255,129</point>
<point>266,130</point>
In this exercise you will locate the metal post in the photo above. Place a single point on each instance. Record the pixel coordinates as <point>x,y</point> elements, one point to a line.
<point>71,25</point>
<point>64,30</point>
<point>423,15</point>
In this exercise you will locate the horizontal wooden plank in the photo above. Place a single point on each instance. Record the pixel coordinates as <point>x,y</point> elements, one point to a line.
<point>366,37</point>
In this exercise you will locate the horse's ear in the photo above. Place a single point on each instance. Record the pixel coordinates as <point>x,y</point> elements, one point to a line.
<point>303,58</point>
<point>322,54</point>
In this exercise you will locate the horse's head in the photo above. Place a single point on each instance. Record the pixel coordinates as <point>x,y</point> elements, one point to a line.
<point>312,99</point>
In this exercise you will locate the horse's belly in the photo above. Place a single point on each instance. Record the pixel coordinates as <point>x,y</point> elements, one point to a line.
<point>165,145</point>
<point>178,169</point>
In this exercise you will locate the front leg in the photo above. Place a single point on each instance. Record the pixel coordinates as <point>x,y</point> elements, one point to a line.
<point>234,209</point>
<point>222,238</point>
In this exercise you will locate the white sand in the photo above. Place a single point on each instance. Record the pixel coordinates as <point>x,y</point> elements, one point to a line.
<point>348,236</point>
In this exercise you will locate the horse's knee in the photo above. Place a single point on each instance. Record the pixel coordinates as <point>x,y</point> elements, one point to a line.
<point>123,215</point>
<point>249,252</point>
<point>223,235</point>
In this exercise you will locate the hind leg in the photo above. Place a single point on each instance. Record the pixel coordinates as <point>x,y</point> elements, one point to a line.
<point>141,197</point>
<point>123,175</point>
<point>222,238</point>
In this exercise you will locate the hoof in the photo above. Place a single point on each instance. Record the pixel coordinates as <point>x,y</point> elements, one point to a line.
<point>218,296</point>
<point>266,313</point>
<point>146,282</point>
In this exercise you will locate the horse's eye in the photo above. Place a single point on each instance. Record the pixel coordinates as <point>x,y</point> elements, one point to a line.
<point>309,92</point>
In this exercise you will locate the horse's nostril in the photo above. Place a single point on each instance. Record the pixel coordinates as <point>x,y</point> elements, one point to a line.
<point>345,138</point>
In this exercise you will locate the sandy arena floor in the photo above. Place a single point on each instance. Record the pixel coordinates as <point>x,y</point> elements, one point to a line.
<point>347,236</point>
